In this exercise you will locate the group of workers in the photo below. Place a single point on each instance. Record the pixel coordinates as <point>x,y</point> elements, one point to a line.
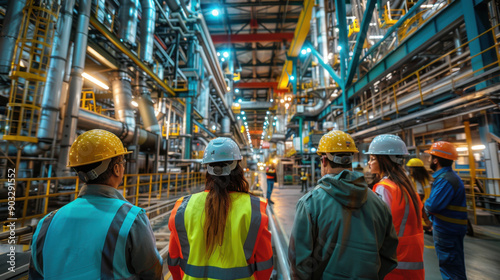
<point>342,229</point>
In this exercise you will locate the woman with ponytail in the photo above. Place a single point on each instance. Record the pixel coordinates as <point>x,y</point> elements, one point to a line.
<point>396,190</point>
<point>221,233</point>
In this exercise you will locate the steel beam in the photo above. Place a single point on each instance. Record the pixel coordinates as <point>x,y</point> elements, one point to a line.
<point>256,85</point>
<point>254,4</point>
<point>325,65</point>
<point>360,40</point>
<point>251,38</point>
<point>301,31</point>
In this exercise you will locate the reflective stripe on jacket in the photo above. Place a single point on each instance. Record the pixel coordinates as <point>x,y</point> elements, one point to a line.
<point>408,225</point>
<point>245,253</point>
<point>447,203</point>
<point>69,244</point>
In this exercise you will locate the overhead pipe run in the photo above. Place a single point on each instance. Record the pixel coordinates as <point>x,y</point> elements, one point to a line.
<point>9,33</point>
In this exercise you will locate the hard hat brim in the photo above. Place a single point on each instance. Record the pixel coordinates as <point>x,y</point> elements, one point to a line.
<point>99,160</point>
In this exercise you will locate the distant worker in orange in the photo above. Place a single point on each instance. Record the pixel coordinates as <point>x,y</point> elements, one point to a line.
<point>447,210</point>
<point>395,188</point>
<point>342,230</point>
<point>99,235</point>
<point>221,233</point>
<point>271,179</point>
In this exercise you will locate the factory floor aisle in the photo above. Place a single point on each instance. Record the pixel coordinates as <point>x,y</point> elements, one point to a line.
<point>482,252</point>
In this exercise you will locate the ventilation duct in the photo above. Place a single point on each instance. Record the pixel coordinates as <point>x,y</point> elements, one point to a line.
<point>226,125</point>
<point>146,108</point>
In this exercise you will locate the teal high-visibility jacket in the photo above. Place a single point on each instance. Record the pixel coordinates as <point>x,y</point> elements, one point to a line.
<point>89,239</point>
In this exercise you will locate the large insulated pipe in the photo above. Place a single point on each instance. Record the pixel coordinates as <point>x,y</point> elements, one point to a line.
<point>128,21</point>
<point>122,97</point>
<point>146,108</point>
<point>75,87</point>
<point>147,30</point>
<point>53,86</point>
<point>322,41</point>
<point>9,33</point>
<point>202,104</point>
<point>226,125</point>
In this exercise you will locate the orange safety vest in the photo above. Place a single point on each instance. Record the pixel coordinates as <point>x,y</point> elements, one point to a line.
<point>246,252</point>
<point>408,225</point>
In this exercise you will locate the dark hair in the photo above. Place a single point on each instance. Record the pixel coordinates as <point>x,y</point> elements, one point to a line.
<point>103,178</point>
<point>397,174</point>
<point>442,161</point>
<point>218,202</point>
<point>420,174</point>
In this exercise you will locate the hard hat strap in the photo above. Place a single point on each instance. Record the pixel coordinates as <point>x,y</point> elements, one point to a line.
<point>397,159</point>
<point>94,173</point>
<point>344,159</point>
<point>221,170</point>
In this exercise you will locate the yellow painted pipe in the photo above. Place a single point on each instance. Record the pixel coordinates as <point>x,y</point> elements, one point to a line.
<point>300,34</point>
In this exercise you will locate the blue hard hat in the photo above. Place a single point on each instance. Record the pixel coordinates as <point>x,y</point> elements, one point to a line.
<point>221,149</point>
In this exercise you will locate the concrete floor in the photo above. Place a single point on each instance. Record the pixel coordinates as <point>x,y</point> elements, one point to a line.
<point>482,252</point>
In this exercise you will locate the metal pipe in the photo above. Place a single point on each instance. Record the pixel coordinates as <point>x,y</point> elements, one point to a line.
<point>127,17</point>
<point>226,125</point>
<point>146,109</point>
<point>9,33</point>
<point>280,251</point>
<point>75,88</point>
<point>322,41</point>
<point>147,30</point>
<point>122,97</point>
<point>52,90</point>
<point>202,104</point>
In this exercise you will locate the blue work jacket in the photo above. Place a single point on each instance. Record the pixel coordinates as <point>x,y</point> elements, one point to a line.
<point>446,204</point>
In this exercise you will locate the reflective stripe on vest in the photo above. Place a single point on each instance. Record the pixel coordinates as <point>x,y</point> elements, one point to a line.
<point>110,239</point>
<point>214,271</point>
<point>410,265</point>
<point>404,265</point>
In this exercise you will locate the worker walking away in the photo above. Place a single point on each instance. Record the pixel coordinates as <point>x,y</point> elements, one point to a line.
<point>221,233</point>
<point>447,210</point>
<point>395,188</point>
<point>99,235</point>
<point>420,178</point>
<point>271,179</point>
<point>342,230</point>
<point>303,180</point>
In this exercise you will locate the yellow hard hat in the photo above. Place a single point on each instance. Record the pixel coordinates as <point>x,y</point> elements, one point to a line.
<point>415,162</point>
<point>94,146</point>
<point>336,141</point>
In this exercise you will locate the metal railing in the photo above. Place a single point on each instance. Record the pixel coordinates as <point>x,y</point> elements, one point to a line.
<point>33,196</point>
<point>427,80</point>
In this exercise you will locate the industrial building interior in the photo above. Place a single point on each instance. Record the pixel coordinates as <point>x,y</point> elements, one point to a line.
<point>167,76</point>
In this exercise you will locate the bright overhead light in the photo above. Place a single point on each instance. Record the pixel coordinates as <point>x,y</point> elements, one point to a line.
<point>214,127</point>
<point>339,48</point>
<point>134,103</point>
<point>236,90</point>
<point>313,149</point>
<point>95,81</point>
<point>222,59</point>
<point>478,147</point>
<point>218,53</point>
<point>228,88</point>
<point>272,100</point>
<point>375,36</point>
<point>242,112</point>
<point>303,52</point>
<point>215,12</point>
<point>308,49</point>
<point>292,78</point>
<point>268,112</point>
<point>244,118</point>
<point>239,100</point>
<point>225,54</point>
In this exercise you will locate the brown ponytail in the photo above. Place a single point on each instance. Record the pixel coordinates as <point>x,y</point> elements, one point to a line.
<point>218,203</point>
<point>396,173</point>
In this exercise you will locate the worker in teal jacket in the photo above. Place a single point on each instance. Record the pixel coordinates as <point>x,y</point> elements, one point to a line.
<point>99,235</point>
<point>342,230</point>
